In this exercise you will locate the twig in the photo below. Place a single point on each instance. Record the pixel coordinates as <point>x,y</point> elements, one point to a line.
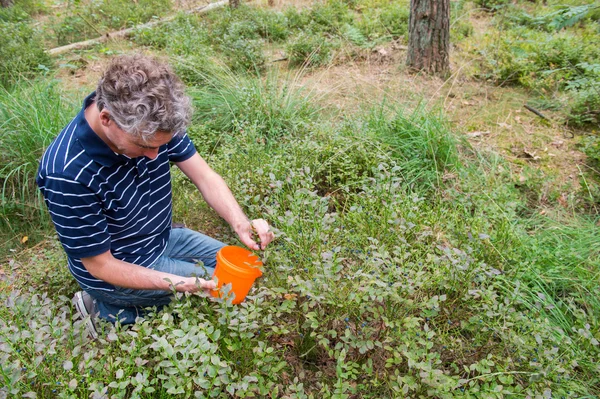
<point>535,111</point>
<point>128,31</point>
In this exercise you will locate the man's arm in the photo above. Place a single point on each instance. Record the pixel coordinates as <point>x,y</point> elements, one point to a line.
<point>216,193</point>
<point>127,275</point>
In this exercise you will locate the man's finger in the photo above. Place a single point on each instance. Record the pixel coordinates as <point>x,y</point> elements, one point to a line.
<point>249,242</point>
<point>207,284</point>
<point>263,230</point>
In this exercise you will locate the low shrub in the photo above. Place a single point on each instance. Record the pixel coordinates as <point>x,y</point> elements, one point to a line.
<point>492,5</point>
<point>87,20</point>
<point>387,22</point>
<point>538,60</point>
<point>563,16</point>
<point>236,40</point>
<point>22,53</point>
<point>326,17</point>
<point>310,50</point>
<point>22,10</point>
<point>249,23</point>
<point>585,91</point>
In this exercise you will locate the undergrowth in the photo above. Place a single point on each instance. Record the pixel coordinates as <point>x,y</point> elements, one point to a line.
<point>407,264</point>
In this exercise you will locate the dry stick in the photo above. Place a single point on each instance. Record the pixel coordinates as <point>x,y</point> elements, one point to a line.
<point>128,31</point>
<point>535,111</point>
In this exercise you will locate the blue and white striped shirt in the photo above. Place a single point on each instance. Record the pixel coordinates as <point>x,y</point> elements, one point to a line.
<point>101,201</point>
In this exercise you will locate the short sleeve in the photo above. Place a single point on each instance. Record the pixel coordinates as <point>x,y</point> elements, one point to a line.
<point>180,148</point>
<point>78,216</point>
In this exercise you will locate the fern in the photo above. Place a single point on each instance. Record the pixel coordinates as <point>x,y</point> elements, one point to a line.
<point>353,35</point>
<point>568,16</point>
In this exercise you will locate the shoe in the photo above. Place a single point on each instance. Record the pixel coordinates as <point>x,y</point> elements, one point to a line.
<point>86,307</point>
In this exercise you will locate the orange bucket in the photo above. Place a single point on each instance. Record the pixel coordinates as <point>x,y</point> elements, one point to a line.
<point>239,267</point>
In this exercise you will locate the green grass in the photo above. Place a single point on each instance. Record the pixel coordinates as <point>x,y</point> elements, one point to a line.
<point>31,115</point>
<point>270,107</point>
<point>21,52</point>
<point>407,264</point>
<point>86,19</point>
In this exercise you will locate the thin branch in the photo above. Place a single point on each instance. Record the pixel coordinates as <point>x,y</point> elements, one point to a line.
<point>129,31</point>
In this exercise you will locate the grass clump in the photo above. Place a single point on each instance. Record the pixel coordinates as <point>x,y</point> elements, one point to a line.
<point>310,50</point>
<point>269,108</point>
<point>422,144</point>
<point>31,116</point>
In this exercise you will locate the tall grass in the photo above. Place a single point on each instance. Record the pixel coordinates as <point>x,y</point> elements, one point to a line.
<point>273,106</point>
<point>31,115</point>
<point>421,142</point>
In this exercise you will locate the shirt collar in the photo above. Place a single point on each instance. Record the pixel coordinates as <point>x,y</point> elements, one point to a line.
<point>93,145</point>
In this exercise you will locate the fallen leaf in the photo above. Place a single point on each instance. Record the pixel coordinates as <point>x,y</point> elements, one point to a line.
<point>290,296</point>
<point>505,125</point>
<point>382,52</point>
<point>24,239</point>
<point>531,154</point>
<point>562,200</point>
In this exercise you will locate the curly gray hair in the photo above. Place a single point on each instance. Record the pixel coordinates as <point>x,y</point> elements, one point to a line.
<point>144,96</point>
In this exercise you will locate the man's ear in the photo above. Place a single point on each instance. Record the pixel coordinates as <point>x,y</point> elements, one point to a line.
<point>105,118</point>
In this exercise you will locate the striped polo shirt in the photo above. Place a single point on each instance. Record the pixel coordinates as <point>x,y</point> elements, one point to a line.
<point>100,200</point>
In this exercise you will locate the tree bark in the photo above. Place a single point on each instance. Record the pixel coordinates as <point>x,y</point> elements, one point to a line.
<point>429,36</point>
<point>234,3</point>
<point>6,3</point>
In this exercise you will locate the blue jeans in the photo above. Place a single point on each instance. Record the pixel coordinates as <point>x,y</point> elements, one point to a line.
<point>184,249</point>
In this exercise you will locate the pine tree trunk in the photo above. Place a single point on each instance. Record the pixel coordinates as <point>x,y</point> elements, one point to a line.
<point>429,36</point>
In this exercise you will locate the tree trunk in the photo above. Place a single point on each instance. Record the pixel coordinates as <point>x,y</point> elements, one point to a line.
<point>234,3</point>
<point>6,3</point>
<point>429,36</point>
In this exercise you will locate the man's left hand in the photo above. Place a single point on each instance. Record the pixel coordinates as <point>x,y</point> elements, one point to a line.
<point>261,228</point>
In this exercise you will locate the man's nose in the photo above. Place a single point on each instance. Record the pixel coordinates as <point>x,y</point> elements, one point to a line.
<point>151,153</point>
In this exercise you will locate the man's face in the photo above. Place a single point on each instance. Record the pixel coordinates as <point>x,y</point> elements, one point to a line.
<point>124,143</point>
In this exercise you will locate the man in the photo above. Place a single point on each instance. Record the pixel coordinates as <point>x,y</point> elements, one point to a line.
<point>106,182</point>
